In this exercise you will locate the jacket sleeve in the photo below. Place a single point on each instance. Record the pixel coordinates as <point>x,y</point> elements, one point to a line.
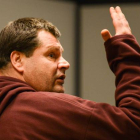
<point>123,121</point>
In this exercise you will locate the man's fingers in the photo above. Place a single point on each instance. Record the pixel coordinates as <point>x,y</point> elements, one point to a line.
<point>119,12</point>
<point>118,9</point>
<point>105,34</point>
<point>120,23</point>
<point>113,12</point>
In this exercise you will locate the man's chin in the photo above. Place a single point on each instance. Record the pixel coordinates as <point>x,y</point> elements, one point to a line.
<point>59,89</point>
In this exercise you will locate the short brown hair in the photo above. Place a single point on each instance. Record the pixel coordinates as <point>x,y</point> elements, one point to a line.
<point>21,35</point>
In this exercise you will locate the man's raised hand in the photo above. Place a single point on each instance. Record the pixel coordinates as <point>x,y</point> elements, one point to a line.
<point>120,24</point>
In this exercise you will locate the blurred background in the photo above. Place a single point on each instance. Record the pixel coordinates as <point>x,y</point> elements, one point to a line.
<point>80,23</point>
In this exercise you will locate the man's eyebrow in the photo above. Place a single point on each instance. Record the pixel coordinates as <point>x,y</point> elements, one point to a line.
<point>55,47</point>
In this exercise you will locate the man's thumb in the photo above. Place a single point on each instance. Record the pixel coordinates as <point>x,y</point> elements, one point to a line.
<point>105,34</point>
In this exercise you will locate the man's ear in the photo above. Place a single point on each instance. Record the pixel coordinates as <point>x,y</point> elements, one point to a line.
<point>17,60</point>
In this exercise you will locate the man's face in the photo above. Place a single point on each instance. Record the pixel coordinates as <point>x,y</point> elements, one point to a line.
<point>45,69</point>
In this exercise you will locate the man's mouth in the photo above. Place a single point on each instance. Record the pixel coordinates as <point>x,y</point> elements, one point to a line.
<point>61,79</point>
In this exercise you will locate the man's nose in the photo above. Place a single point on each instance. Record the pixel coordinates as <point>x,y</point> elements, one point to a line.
<point>63,64</point>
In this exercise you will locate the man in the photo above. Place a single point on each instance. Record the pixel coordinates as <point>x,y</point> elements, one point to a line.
<point>35,54</point>
<point>33,72</point>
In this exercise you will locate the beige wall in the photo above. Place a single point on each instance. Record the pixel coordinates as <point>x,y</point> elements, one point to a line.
<point>59,13</point>
<point>97,79</point>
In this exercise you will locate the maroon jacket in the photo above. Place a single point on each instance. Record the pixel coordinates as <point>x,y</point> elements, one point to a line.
<point>26,114</point>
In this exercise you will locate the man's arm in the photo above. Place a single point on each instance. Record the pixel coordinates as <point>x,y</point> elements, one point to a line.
<point>123,54</point>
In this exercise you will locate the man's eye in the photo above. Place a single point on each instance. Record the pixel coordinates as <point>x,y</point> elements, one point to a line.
<point>52,55</point>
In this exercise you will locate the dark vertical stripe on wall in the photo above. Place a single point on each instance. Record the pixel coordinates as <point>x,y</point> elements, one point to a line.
<point>77,54</point>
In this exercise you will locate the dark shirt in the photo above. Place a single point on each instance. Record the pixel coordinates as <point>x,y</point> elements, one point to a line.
<point>26,114</point>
